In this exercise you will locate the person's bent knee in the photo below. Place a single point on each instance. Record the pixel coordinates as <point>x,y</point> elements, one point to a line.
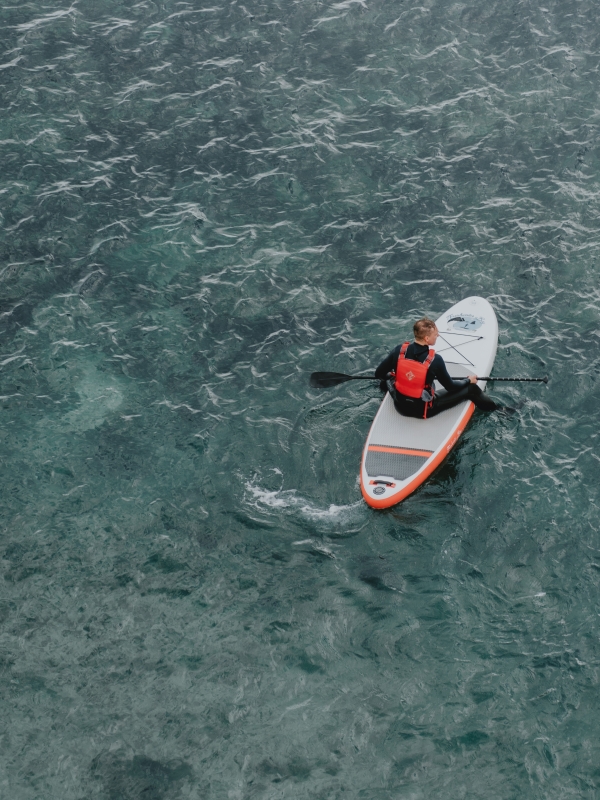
<point>474,392</point>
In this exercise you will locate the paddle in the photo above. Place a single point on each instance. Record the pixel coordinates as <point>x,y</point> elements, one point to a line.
<point>324,380</point>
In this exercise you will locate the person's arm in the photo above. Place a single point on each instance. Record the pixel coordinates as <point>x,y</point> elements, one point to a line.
<point>388,364</point>
<point>440,373</point>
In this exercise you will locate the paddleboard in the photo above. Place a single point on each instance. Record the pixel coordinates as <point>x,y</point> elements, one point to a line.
<point>401,452</point>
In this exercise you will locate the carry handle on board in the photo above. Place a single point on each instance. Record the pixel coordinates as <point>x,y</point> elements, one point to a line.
<point>324,380</point>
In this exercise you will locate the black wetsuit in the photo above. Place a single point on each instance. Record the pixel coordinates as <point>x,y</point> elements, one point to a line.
<point>457,391</point>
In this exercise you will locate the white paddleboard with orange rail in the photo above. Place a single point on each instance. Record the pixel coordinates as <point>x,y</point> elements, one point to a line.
<point>401,452</point>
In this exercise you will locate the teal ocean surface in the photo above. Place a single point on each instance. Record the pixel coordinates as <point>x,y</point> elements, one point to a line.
<point>200,205</point>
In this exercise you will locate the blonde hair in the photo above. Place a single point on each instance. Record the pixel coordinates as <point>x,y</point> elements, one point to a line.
<point>423,327</point>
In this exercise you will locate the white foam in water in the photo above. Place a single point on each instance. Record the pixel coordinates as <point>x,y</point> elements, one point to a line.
<point>289,499</point>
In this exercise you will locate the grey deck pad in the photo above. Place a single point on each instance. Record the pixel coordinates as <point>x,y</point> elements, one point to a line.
<point>393,465</point>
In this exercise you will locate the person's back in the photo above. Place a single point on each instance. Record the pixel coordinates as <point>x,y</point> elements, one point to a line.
<point>411,390</point>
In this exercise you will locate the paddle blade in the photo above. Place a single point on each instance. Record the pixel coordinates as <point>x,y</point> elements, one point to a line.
<point>324,380</point>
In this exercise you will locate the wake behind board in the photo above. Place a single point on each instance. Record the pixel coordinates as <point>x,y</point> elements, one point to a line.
<point>401,452</point>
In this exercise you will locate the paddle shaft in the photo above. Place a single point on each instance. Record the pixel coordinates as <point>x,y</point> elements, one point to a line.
<point>479,378</point>
<point>326,380</point>
<point>514,380</point>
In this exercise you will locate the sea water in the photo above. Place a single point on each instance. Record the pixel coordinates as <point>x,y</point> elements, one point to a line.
<point>200,205</point>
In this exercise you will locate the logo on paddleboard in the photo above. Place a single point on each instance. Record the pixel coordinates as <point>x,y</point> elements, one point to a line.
<point>465,322</point>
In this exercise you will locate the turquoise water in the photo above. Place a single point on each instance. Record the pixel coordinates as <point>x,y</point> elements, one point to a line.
<point>200,205</point>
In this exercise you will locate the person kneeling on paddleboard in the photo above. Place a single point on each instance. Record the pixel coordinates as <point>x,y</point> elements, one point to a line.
<point>410,370</point>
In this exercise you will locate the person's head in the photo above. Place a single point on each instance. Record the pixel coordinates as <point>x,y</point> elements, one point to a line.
<point>425,331</point>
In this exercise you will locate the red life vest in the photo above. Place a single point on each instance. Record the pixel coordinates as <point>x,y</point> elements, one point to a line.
<point>411,377</point>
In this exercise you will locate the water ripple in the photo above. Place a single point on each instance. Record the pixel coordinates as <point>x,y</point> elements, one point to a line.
<point>198,208</point>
